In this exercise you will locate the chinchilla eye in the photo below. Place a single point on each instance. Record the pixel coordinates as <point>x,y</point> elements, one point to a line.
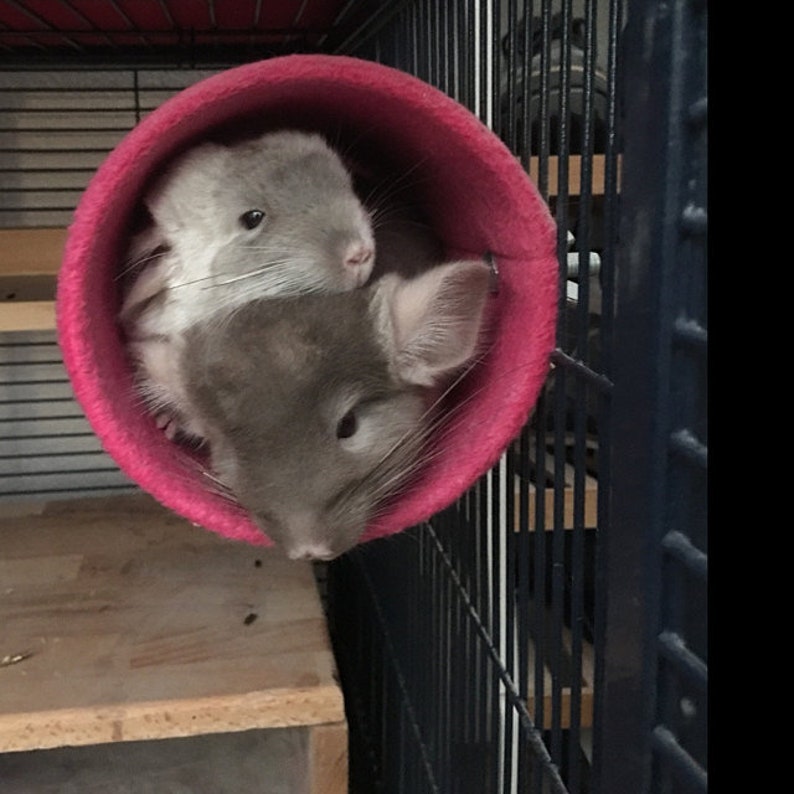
<point>348,425</point>
<point>252,218</point>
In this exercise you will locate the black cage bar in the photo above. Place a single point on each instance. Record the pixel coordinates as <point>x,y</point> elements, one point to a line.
<point>653,693</point>
<point>500,648</point>
<point>481,624</point>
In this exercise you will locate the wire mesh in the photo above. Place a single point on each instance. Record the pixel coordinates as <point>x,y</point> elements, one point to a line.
<point>47,448</point>
<point>174,32</point>
<point>481,622</point>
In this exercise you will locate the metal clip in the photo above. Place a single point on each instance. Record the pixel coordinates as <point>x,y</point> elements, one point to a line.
<point>493,286</point>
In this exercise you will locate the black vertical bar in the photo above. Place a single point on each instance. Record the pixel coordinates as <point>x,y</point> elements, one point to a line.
<point>496,65</point>
<point>582,402</point>
<point>539,547</point>
<point>444,30</point>
<point>413,64</point>
<point>604,461</point>
<point>544,86</point>
<point>466,54</point>
<point>446,694</point>
<point>403,40</point>
<point>482,110</point>
<point>560,419</point>
<point>522,591</point>
<point>425,44</point>
<point>454,691</point>
<point>434,738</point>
<point>423,671</point>
<point>525,144</point>
<point>497,724</point>
<point>452,34</point>
<point>506,108</point>
<point>435,45</point>
<point>607,272</point>
<point>511,550</point>
<point>137,94</point>
<point>558,573</point>
<point>655,180</point>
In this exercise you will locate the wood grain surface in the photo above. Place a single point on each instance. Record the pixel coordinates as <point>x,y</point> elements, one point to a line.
<point>132,624</point>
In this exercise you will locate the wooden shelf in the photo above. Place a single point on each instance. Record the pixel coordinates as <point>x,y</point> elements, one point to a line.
<point>586,688</point>
<point>27,316</point>
<point>574,182</point>
<point>29,263</point>
<point>32,252</point>
<point>568,483</point>
<point>121,622</point>
<point>589,507</point>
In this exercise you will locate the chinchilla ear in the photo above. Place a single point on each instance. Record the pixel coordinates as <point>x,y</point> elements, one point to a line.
<point>187,190</point>
<point>435,319</point>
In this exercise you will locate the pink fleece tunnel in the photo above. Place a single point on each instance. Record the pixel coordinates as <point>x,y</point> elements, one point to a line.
<point>478,199</point>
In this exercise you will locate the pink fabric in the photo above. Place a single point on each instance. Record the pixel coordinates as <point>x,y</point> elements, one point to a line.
<point>479,199</point>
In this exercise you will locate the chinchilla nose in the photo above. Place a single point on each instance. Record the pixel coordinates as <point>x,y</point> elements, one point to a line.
<point>302,539</point>
<point>309,551</point>
<point>358,258</point>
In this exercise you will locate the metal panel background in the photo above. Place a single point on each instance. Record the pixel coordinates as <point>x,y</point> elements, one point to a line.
<point>47,448</point>
<point>56,127</point>
<point>652,729</point>
<point>468,645</point>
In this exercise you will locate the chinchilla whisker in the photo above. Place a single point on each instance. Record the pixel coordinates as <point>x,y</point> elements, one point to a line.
<point>381,215</point>
<point>250,274</point>
<point>134,265</point>
<point>421,453</point>
<point>412,451</point>
<point>218,486</point>
<point>397,476</point>
<point>391,187</point>
<point>395,466</point>
<point>283,285</point>
<point>189,283</point>
<point>412,435</point>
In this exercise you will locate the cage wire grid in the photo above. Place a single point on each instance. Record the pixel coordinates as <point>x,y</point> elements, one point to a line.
<point>485,654</point>
<point>475,651</point>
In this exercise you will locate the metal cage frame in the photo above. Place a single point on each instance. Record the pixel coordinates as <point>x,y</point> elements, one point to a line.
<point>548,632</point>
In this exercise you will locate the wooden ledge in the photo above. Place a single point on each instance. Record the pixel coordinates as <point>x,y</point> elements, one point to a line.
<point>29,264</point>
<point>27,316</point>
<point>127,623</point>
<point>31,252</point>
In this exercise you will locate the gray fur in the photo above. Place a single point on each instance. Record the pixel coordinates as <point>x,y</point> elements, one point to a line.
<point>272,381</point>
<point>207,261</point>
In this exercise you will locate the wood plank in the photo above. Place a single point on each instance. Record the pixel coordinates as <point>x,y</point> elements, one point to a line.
<point>574,182</point>
<point>136,625</point>
<point>31,251</point>
<point>20,288</point>
<point>327,768</point>
<point>27,316</point>
<point>586,689</point>
<point>590,507</point>
<point>566,477</point>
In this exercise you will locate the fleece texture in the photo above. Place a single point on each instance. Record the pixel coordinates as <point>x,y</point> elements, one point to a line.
<point>478,199</point>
